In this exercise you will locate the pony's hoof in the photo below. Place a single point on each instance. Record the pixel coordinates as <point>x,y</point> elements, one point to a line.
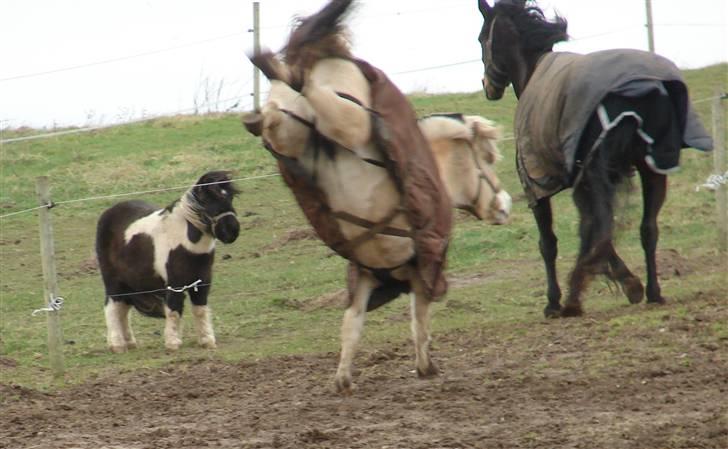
<point>552,312</point>
<point>208,343</point>
<point>572,311</point>
<point>344,386</point>
<point>173,345</point>
<point>430,370</point>
<point>657,300</point>
<point>634,290</point>
<point>118,349</point>
<point>131,344</point>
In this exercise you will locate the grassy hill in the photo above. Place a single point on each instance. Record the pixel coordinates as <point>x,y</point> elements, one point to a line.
<point>275,289</point>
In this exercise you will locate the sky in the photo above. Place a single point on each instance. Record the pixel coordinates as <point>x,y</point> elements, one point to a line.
<point>98,62</point>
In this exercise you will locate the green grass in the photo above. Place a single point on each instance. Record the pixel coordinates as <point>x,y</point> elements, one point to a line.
<point>262,293</point>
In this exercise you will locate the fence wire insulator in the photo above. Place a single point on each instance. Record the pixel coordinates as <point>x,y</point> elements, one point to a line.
<point>714,182</point>
<point>186,287</point>
<point>54,305</point>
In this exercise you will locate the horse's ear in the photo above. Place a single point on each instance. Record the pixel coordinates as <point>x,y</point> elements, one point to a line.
<point>485,8</point>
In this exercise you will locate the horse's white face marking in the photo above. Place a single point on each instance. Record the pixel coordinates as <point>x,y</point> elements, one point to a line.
<point>168,232</point>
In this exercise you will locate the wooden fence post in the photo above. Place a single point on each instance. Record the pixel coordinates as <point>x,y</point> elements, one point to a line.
<point>50,284</point>
<point>719,161</point>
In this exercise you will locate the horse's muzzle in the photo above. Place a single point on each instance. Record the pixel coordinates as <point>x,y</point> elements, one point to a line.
<point>227,229</point>
<point>491,93</point>
<point>253,122</point>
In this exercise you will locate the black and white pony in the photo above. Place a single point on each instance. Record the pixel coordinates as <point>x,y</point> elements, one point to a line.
<point>587,122</point>
<point>147,256</point>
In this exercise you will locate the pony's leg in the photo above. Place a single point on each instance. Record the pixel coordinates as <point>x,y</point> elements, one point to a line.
<point>420,310</point>
<point>548,244</point>
<point>630,283</point>
<point>351,329</point>
<point>654,190</point>
<point>113,312</point>
<point>174,303</point>
<point>131,342</point>
<point>203,317</point>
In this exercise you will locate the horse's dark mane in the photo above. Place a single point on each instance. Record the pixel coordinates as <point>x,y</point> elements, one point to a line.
<point>320,35</point>
<point>536,31</point>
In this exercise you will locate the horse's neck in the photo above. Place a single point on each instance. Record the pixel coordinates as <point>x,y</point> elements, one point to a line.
<point>525,72</point>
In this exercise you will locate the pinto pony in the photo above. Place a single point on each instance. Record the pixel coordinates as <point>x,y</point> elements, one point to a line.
<point>587,122</point>
<point>349,147</point>
<point>147,256</point>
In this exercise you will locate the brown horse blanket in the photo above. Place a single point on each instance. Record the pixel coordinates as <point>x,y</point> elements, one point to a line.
<point>563,93</point>
<point>412,165</point>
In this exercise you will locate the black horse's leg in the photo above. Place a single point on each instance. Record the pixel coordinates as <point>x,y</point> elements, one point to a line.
<point>548,244</point>
<point>654,189</point>
<point>631,285</point>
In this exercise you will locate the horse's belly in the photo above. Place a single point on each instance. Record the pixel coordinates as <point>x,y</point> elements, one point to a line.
<point>384,251</point>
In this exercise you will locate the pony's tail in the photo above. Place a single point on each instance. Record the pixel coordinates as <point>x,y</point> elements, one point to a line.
<point>148,304</point>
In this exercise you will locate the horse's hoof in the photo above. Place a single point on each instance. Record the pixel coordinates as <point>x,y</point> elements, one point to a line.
<point>131,344</point>
<point>634,290</point>
<point>551,312</point>
<point>430,370</point>
<point>119,349</point>
<point>173,345</point>
<point>657,300</point>
<point>344,385</point>
<point>571,311</point>
<point>208,343</point>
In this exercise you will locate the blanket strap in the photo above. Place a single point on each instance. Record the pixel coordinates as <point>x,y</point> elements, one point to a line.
<point>372,228</point>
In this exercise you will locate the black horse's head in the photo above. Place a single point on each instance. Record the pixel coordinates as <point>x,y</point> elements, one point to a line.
<point>213,196</point>
<point>514,35</point>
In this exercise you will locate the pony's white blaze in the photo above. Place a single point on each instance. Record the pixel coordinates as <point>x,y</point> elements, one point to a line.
<point>172,329</point>
<point>203,324</point>
<point>168,231</point>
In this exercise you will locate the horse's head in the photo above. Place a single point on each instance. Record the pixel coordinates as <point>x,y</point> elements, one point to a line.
<point>212,201</point>
<point>465,151</point>
<point>514,35</point>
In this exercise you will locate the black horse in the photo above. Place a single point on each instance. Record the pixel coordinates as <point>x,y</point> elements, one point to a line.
<point>587,122</point>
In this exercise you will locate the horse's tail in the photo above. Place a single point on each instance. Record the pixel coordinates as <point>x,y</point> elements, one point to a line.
<point>316,28</point>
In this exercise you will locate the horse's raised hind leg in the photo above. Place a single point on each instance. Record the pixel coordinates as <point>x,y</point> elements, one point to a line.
<point>115,313</point>
<point>174,303</point>
<point>420,309</point>
<point>654,189</point>
<point>630,283</point>
<point>548,244</point>
<point>351,329</point>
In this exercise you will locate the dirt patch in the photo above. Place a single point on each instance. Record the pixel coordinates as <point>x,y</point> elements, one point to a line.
<point>333,300</point>
<point>670,264</point>
<point>294,235</point>
<point>570,383</point>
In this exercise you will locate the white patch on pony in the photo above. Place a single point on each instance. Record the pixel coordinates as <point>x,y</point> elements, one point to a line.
<point>203,324</point>
<point>168,231</point>
<point>116,313</point>
<point>172,329</point>
<point>506,203</point>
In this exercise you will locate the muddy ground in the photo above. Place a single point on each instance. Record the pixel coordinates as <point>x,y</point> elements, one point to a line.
<point>568,383</point>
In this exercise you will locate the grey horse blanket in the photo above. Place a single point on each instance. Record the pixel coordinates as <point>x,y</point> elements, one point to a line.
<point>567,88</point>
